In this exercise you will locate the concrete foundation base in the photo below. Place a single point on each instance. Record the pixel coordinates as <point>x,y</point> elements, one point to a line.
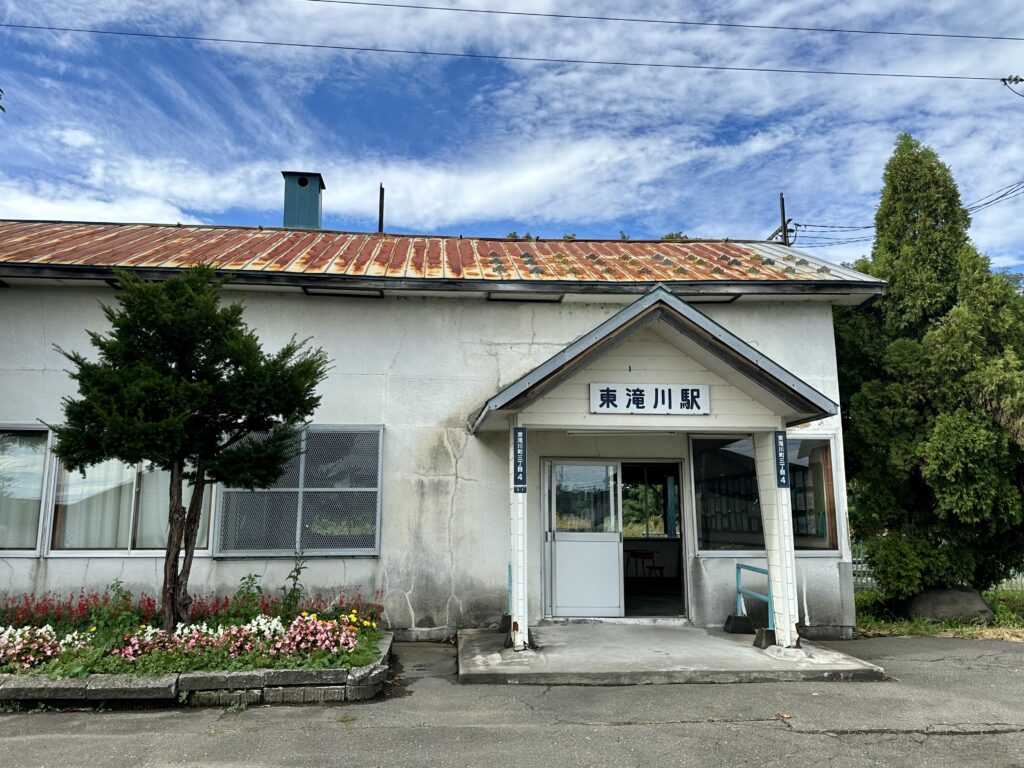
<point>618,654</point>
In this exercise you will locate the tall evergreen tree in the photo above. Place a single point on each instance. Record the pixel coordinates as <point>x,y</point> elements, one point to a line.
<point>181,383</point>
<point>932,386</point>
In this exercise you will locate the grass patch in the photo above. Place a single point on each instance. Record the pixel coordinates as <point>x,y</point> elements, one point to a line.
<point>876,619</point>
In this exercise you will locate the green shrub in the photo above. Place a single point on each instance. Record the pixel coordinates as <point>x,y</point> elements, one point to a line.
<point>247,602</point>
<point>293,591</point>
<point>1008,606</point>
<point>113,617</point>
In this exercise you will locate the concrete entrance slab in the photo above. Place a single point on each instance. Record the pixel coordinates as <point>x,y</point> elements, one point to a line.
<point>643,654</point>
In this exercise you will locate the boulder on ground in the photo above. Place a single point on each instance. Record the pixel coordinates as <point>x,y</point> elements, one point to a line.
<point>961,604</point>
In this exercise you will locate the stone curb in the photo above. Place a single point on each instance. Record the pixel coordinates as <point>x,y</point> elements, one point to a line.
<point>39,688</point>
<point>215,681</point>
<point>213,689</point>
<point>282,677</point>
<point>109,687</point>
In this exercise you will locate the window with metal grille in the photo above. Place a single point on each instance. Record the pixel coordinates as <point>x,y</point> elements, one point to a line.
<point>327,501</point>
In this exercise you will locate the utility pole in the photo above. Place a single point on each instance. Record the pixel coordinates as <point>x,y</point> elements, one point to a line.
<point>784,227</point>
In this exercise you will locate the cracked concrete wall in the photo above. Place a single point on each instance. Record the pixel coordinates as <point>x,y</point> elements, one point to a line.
<point>420,366</point>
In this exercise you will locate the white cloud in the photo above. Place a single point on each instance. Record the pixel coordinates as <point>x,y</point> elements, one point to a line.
<point>68,202</point>
<point>75,138</point>
<point>206,128</point>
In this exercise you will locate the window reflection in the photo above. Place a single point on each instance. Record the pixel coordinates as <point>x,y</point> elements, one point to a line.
<point>812,494</point>
<point>725,488</point>
<point>22,467</point>
<point>584,498</point>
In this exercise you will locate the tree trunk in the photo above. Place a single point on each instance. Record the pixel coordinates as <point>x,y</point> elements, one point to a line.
<point>176,528</point>
<point>193,515</point>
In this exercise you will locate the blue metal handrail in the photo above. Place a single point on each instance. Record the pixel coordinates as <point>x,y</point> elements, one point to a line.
<point>741,591</point>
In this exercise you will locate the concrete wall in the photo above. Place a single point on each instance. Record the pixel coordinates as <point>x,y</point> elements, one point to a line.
<point>421,367</point>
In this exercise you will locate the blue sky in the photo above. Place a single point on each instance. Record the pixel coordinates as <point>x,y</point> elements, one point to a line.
<point>121,129</point>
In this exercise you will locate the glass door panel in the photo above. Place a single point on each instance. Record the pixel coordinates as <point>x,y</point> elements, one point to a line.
<point>586,539</point>
<point>585,498</point>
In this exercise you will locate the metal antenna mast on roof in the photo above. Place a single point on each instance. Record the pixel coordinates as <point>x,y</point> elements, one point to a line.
<point>380,215</point>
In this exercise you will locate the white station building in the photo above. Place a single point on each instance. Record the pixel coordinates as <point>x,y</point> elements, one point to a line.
<point>548,429</point>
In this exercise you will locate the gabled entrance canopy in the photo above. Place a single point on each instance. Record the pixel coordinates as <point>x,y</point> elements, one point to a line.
<point>694,334</point>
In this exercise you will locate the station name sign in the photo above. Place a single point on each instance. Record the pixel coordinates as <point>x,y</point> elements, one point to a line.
<point>674,399</point>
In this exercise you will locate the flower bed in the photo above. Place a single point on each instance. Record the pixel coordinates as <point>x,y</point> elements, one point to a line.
<point>114,633</point>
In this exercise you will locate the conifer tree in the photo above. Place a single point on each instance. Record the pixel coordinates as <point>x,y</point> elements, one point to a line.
<point>932,389</point>
<point>181,383</point>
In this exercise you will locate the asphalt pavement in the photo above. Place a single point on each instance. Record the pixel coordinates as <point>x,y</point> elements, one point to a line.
<point>947,702</point>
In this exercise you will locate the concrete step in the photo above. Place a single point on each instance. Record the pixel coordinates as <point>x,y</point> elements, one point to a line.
<point>645,654</point>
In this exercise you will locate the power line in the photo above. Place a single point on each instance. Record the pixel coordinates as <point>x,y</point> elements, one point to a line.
<point>824,241</point>
<point>999,196</point>
<point>841,241</point>
<point>834,234</point>
<point>674,22</point>
<point>832,245</point>
<point>492,56</point>
<point>810,236</point>
<point>998,200</point>
<point>1008,187</point>
<point>837,228</point>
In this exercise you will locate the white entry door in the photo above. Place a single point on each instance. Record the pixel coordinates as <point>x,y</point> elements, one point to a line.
<point>585,525</point>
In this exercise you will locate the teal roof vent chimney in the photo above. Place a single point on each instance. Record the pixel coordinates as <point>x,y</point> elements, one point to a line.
<point>303,207</point>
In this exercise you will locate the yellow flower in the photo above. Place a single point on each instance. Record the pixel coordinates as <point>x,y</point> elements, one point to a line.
<point>305,614</point>
<point>92,629</point>
<point>366,623</point>
<point>313,617</point>
<point>373,624</point>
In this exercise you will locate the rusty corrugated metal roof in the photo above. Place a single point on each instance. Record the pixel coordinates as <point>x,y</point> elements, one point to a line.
<point>288,252</point>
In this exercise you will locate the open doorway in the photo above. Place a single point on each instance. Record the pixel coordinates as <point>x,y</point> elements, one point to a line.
<point>652,539</point>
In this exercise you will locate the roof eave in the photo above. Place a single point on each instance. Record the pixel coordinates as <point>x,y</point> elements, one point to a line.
<point>429,284</point>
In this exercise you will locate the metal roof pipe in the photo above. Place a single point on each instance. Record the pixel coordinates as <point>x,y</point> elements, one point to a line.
<point>303,203</point>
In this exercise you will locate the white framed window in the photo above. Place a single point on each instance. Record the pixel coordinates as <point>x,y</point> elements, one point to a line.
<point>812,493</point>
<point>116,508</point>
<point>725,492</point>
<point>327,501</point>
<point>23,455</point>
<point>727,504</point>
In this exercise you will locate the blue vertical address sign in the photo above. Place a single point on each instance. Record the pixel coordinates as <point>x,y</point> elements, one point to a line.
<point>519,460</point>
<point>781,460</point>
